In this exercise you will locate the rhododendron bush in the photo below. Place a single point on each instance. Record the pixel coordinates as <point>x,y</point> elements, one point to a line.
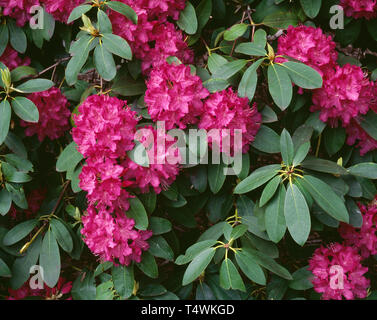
<point>175,149</point>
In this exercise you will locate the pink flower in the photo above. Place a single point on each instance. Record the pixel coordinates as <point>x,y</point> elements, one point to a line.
<point>61,289</point>
<point>105,126</point>
<point>18,9</point>
<point>163,163</point>
<point>225,110</point>
<point>174,95</point>
<point>360,8</point>
<point>168,41</point>
<point>338,273</point>
<point>162,9</point>
<point>114,238</point>
<point>355,133</point>
<point>61,9</point>
<point>137,35</point>
<point>309,45</point>
<point>365,238</point>
<point>53,115</point>
<point>346,94</point>
<point>12,60</point>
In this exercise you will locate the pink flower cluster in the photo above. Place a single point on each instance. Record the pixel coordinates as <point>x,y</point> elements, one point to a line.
<point>360,8</point>
<point>114,238</point>
<point>365,238</point>
<point>54,115</point>
<point>105,131</point>
<point>153,39</point>
<point>309,45</point>
<point>62,288</point>
<point>20,9</point>
<point>61,9</point>
<point>338,273</point>
<point>225,110</point>
<point>347,94</point>
<point>12,60</point>
<point>174,95</point>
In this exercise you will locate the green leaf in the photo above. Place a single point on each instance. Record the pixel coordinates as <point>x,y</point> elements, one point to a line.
<point>117,46</point>
<point>62,235</point>
<point>5,201</point>
<point>159,225</point>
<point>334,139</point>
<point>216,177</point>
<point>301,279</point>
<point>25,109</point>
<point>326,198</point>
<point>104,62</point>
<point>198,265</point>
<point>78,12</point>
<point>19,232</point>
<point>12,175</point>
<point>229,69</point>
<point>238,231</point>
<point>281,20</point>
<point>251,49</point>
<point>123,278</point>
<point>311,7</point>
<point>35,85</point>
<point>5,116</point>
<point>297,215</point>
<point>203,12</point>
<point>301,154</point>
<point>229,276</point>
<point>84,287</point>
<point>17,37</point>
<point>286,147</point>
<point>369,124</point>
<point>123,9</point>
<point>269,191</point>
<point>365,170</point>
<point>250,268</point>
<point>215,85</point>
<point>274,216</point>
<point>4,37</point>
<point>160,248</point>
<point>18,196</point>
<point>267,140</point>
<point>80,52</point>
<point>22,72</point>
<point>21,266</point>
<point>138,213</point>
<point>14,143</point>
<point>69,158</point>
<point>4,269</point>
<point>104,291</point>
<point>249,81</point>
<point>257,178</point>
<point>280,86</point>
<point>322,165</point>
<point>103,22</point>
<point>194,250</point>
<point>268,263</point>
<point>50,259</point>
<point>303,75</point>
<point>235,32</point>
<point>148,265</point>
<point>187,19</point>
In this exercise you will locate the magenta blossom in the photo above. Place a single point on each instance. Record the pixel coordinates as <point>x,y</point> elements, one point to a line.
<point>225,110</point>
<point>365,238</point>
<point>54,115</point>
<point>338,273</point>
<point>12,60</point>
<point>360,8</point>
<point>18,9</point>
<point>174,95</point>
